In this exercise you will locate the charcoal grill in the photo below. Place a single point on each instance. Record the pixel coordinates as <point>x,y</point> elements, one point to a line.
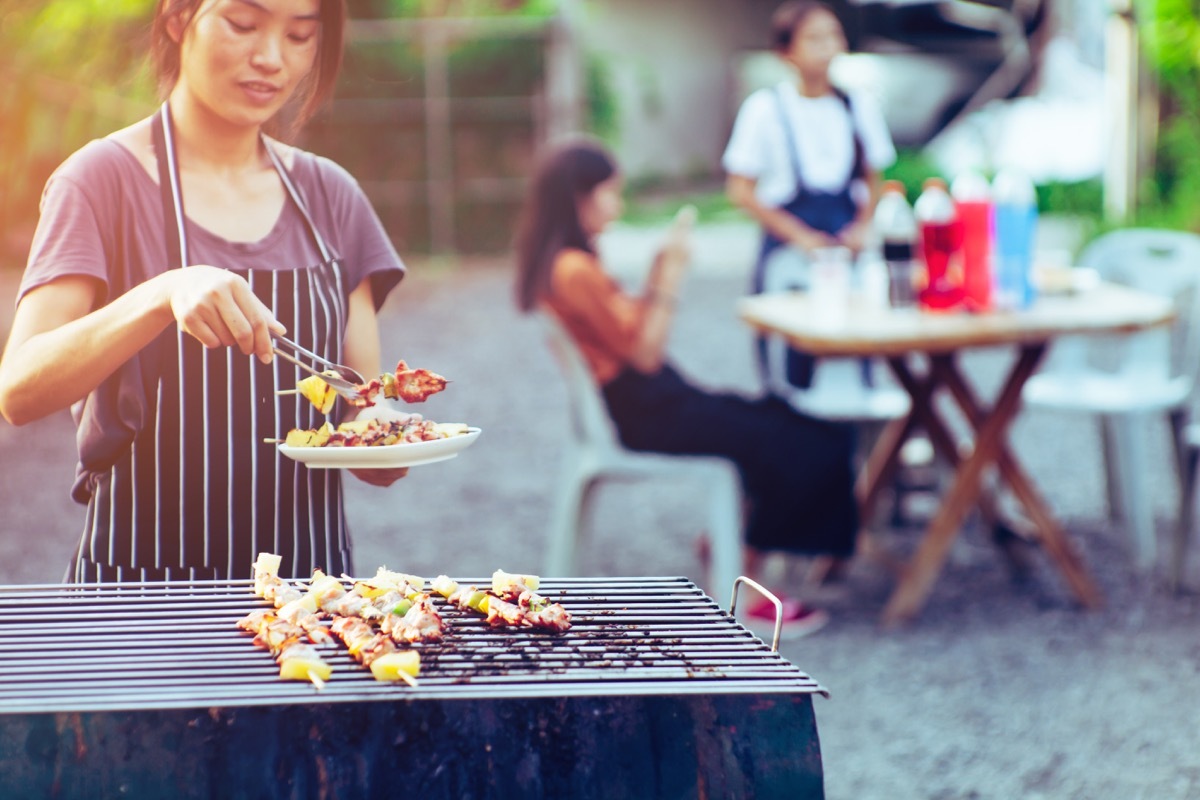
<point>149,690</point>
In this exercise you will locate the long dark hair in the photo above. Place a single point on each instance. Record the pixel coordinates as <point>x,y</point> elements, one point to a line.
<point>312,92</point>
<point>549,221</point>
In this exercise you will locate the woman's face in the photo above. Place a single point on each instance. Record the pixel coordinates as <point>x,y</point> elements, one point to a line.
<point>601,206</point>
<point>243,59</point>
<point>817,41</point>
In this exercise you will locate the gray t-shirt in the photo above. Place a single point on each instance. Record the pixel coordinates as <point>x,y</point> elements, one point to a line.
<point>101,217</point>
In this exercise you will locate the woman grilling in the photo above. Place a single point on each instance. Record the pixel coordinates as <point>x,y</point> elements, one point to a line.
<point>803,161</point>
<point>166,256</point>
<point>796,471</point>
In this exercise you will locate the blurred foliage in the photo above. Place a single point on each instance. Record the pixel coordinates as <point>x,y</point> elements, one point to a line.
<point>601,103</point>
<point>73,70</point>
<point>912,167</point>
<point>1170,32</point>
<point>657,206</point>
<point>70,71</point>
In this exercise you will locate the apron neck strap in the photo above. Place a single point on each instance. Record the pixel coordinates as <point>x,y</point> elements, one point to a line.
<point>163,133</point>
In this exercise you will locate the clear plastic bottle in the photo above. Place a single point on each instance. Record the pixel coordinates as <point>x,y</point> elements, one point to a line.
<point>1016,216</point>
<point>973,201</point>
<point>941,247</point>
<point>896,228</point>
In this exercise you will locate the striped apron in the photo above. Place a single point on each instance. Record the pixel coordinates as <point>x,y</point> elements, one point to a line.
<point>199,493</point>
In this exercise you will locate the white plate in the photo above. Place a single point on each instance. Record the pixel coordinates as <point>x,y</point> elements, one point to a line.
<point>411,454</point>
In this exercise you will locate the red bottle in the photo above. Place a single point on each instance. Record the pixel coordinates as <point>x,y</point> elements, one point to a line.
<point>972,200</point>
<point>941,247</point>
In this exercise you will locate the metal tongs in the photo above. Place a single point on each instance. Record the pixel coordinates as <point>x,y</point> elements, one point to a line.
<point>344,380</point>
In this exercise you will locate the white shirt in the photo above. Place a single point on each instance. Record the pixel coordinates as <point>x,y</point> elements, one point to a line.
<point>823,135</point>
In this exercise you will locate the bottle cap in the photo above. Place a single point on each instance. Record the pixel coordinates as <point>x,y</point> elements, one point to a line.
<point>1013,186</point>
<point>934,182</point>
<point>970,186</point>
<point>894,186</point>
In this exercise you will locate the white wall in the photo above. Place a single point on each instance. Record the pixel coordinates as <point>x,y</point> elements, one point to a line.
<point>672,68</point>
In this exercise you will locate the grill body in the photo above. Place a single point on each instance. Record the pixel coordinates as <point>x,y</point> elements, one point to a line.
<point>148,690</point>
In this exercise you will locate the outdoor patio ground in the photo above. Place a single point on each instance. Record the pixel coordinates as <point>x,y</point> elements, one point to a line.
<point>999,690</point>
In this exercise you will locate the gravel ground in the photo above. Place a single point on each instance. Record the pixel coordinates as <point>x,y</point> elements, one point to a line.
<point>999,690</point>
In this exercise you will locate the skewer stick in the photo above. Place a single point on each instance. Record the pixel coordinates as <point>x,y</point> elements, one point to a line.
<point>287,391</point>
<point>316,680</point>
<point>269,440</point>
<point>409,679</point>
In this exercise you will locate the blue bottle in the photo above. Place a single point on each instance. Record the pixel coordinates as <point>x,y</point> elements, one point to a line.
<point>1014,204</point>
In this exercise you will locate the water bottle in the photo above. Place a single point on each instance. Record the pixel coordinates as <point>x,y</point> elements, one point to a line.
<point>941,247</point>
<point>874,282</point>
<point>896,228</point>
<point>972,200</point>
<point>1016,216</point>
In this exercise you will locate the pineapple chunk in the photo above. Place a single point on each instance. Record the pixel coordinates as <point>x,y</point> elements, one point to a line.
<point>301,438</point>
<point>444,585</point>
<point>317,392</point>
<point>502,580</point>
<point>389,667</point>
<point>266,569</point>
<point>359,426</point>
<point>300,669</point>
<point>323,434</point>
<point>306,602</point>
<point>448,429</point>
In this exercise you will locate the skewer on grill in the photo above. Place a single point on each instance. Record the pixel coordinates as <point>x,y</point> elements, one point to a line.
<point>512,603</point>
<point>301,610</point>
<point>376,651</point>
<point>297,659</point>
<point>354,613</point>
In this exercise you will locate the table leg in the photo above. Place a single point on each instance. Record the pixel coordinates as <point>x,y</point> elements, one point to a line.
<point>1050,533</point>
<point>914,587</point>
<point>882,463</point>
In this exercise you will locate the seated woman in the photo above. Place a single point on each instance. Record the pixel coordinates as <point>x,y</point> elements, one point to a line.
<point>796,471</point>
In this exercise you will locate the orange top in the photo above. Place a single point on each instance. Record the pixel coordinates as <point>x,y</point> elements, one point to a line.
<point>601,318</point>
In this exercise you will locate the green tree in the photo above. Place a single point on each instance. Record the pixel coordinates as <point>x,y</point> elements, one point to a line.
<point>1170,31</point>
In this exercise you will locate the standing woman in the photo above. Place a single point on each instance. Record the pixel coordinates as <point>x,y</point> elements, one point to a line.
<point>166,256</point>
<point>796,471</point>
<point>803,161</point>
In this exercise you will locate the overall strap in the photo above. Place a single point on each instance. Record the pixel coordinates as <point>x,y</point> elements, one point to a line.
<point>162,131</point>
<point>294,193</point>
<point>790,136</point>
<point>859,169</point>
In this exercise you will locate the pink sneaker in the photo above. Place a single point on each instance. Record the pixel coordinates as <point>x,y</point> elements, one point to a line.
<point>798,619</point>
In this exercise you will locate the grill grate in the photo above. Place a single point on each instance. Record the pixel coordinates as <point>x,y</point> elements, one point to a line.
<point>134,646</point>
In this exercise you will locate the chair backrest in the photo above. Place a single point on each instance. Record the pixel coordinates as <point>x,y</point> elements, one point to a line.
<point>1162,262</point>
<point>590,423</point>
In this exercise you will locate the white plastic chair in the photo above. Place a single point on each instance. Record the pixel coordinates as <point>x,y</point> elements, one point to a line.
<point>1125,381</point>
<point>839,392</point>
<point>595,455</point>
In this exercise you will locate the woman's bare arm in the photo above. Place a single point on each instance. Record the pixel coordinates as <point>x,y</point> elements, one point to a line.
<point>60,347</point>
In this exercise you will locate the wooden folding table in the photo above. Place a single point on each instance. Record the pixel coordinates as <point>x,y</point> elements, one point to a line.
<point>922,350</point>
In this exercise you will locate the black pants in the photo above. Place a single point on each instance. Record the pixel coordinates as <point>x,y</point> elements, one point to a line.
<point>796,471</point>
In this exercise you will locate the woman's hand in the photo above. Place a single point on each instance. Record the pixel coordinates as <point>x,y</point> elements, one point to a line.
<point>218,308</point>
<point>807,239</point>
<point>380,477</point>
<point>855,235</point>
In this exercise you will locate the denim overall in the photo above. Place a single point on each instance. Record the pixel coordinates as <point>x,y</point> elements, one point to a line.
<point>823,211</point>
